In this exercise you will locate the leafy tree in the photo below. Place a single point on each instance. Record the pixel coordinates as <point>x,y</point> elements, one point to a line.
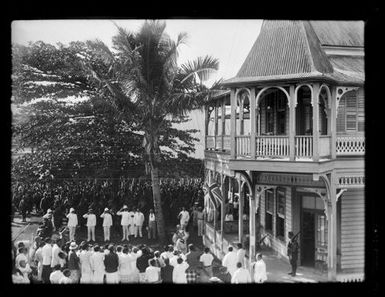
<point>143,81</point>
<point>73,129</point>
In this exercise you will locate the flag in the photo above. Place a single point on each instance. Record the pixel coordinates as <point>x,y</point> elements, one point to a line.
<point>215,194</point>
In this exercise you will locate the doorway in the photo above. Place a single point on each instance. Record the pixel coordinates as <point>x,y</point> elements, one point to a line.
<point>314,232</point>
<point>308,238</point>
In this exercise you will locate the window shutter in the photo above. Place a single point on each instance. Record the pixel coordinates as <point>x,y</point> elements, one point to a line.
<point>351,111</point>
<point>361,110</point>
<point>341,116</point>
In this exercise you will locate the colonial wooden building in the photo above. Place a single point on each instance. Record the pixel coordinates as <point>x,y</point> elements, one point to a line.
<point>285,144</point>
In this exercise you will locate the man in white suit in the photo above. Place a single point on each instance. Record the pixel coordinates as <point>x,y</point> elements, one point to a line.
<point>107,223</point>
<point>138,222</point>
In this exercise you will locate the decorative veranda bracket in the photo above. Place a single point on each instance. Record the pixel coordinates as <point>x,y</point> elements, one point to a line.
<point>322,194</point>
<point>258,193</point>
<point>339,193</point>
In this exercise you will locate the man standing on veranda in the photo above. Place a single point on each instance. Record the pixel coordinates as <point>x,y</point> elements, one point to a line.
<point>107,223</point>
<point>184,217</point>
<point>91,223</point>
<point>138,222</point>
<point>72,223</point>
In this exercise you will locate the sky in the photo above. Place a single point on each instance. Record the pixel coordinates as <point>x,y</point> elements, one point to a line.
<point>227,40</point>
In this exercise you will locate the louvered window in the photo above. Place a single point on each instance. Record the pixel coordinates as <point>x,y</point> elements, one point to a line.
<point>351,114</point>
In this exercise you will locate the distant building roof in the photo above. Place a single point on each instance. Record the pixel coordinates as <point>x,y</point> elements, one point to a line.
<point>339,33</point>
<point>292,50</point>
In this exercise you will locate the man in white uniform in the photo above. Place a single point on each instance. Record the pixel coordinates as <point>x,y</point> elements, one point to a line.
<point>72,223</point>
<point>55,260</point>
<point>85,265</point>
<point>131,228</point>
<point>91,223</point>
<point>125,221</point>
<point>230,260</point>
<point>107,223</point>
<point>241,275</point>
<point>138,222</point>
<point>259,268</point>
<point>241,253</point>
<point>184,217</point>
<point>97,265</point>
<point>179,272</point>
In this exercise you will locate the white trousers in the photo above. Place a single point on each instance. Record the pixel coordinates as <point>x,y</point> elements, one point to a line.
<point>138,229</point>
<point>72,233</point>
<point>106,231</point>
<point>90,233</point>
<point>98,277</point>
<point>125,232</point>
<point>112,278</point>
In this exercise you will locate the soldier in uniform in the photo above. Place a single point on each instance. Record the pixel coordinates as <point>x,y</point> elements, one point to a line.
<point>292,252</point>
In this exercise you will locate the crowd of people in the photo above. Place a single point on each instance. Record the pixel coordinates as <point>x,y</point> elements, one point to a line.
<point>47,262</point>
<point>60,196</point>
<point>50,260</point>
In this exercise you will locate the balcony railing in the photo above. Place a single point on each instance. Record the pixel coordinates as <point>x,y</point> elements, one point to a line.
<point>226,142</point>
<point>210,142</point>
<point>218,142</point>
<point>303,146</point>
<point>272,146</point>
<point>279,146</point>
<point>350,145</point>
<point>242,145</point>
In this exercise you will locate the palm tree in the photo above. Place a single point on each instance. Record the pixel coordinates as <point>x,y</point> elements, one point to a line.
<point>143,81</point>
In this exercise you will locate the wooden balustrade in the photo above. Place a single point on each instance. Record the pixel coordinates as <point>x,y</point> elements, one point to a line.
<point>242,145</point>
<point>226,142</point>
<point>350,145</point>
<point>210,142</point>
<point>303,146</point>
<point>218,142</point>
<point>278,146</point>
<point>272,146</point>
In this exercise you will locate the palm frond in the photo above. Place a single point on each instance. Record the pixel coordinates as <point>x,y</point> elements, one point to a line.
<point>202,67</point>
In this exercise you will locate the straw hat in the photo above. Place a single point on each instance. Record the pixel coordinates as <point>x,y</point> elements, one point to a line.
<point>73,245</point>
<point>72,209</point>
<point>106,209</point>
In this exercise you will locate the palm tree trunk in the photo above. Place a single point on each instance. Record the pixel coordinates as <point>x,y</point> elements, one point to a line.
<point>157,204</point>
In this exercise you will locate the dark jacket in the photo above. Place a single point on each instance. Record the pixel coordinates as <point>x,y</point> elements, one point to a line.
<point>292,249</point>
<point>166,273</point>
<point>225,277</point>
<point>192,258</point>
<point>73,261</point>
<point>111,262</point>
<point>142,262</point>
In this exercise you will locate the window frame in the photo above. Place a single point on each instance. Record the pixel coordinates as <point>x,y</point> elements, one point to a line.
<point>280,217</point>
<point>269,213</point>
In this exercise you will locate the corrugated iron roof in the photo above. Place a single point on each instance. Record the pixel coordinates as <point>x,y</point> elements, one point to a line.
<point>339,33</point>
<point>348,63</point>
<point>292,50</point>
